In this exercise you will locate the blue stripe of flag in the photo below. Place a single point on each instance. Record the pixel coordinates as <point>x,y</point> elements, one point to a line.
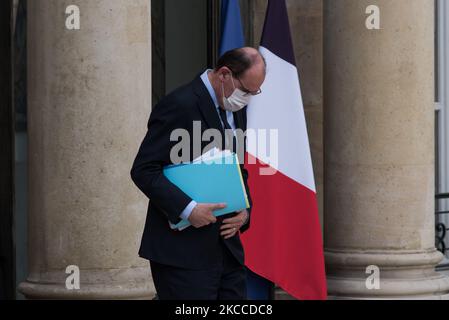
<point>231,26</point>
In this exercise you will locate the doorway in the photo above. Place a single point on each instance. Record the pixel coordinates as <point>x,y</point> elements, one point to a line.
<point>185,40</point>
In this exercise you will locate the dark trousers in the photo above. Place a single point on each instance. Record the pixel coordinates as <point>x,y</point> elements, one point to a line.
<point>224,281</point>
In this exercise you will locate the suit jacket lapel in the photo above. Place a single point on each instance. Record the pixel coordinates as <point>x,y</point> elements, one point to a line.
<point>207,106</point>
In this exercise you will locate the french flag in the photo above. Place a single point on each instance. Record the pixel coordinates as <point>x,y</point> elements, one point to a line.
<point>284,241</point>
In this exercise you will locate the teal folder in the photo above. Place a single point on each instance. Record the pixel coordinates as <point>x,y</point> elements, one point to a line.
<point>217,180</point>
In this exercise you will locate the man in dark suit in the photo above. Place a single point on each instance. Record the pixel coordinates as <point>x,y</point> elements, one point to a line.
<point>206,260</point>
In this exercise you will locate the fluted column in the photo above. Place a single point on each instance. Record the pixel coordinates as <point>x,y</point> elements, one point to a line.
<point>89,90</point>
<point>379,150</point>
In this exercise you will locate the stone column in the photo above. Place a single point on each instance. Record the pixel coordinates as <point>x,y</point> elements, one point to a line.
<point>379,150</point>
<point>89,95</point>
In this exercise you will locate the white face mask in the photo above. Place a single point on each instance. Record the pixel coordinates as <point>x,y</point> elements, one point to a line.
<point>237,100</point>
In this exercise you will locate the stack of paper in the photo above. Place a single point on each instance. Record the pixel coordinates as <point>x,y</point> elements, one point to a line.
<point>215,177</point>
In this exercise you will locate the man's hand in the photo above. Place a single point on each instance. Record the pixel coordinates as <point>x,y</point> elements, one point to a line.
<point>232,225</point>
<point>202,214</point>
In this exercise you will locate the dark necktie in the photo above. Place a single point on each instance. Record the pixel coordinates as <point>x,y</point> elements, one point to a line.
<point>229,133</point>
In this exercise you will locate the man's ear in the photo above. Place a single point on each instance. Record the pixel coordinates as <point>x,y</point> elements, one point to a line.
<point>223,74</point>
<point>221,77</point>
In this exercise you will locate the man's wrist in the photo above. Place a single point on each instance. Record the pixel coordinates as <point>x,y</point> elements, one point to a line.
<point>247,217</point>
<point>185,214</point>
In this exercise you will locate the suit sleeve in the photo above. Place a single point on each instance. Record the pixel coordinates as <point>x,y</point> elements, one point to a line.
<point>154,154</point>
<point>245,180</point>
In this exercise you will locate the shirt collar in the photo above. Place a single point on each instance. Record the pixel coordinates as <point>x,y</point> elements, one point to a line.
<point>209,87</point>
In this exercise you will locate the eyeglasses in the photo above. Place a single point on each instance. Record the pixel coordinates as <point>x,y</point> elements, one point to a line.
<point>248,92</point>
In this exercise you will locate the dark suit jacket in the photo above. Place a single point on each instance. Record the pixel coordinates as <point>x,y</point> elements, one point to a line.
<point>191,248</point>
